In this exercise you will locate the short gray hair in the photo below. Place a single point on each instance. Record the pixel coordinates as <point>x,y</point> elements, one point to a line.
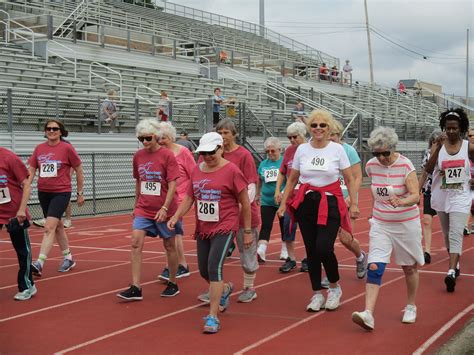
<point>383,137</point>
<point>168,130</point>
<point>148,126</point>
<point>272,142</point>
<point>433,136</point>
<point>298,128</point>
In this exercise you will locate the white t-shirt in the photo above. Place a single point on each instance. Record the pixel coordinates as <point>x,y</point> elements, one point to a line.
<point>320,166</point>
<point>451,192</point>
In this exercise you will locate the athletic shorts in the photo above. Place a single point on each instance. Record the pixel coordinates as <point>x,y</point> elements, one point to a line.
<point>53,204</point>
<point>154,228</point>
<point>403,238</point>
<point>427,204</point>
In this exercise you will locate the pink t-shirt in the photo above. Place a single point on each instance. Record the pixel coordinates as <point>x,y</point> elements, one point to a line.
<point>154,170</point>
<point>216,195</point>
<point>12,173</point>
<point>244,161</point>
<point>54,164</point>
<point>186,165</point>
<point>288,160</point>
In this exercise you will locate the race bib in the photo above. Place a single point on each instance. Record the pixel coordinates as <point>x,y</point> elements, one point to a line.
<point>454,175</point>
<point>208,211</point>
<point>319,164</point>
<point>271,175</point>
<point>152,188</point>
<point>343,183</point>
<point>49,170</point>
<point>4,195</point>
<point>382,193</point>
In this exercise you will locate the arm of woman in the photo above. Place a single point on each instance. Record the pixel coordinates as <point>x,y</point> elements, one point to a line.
<point>32,172</point>
<point>80,184</point>
<point>351,188</point>
<point>290,185</point>
<point>278,194</point>
<point>430,165</point>
<point>163,212</point>
<point>183,208</point>
<point>422,179</point>
<point>245,210</point>
<point>258,192</point>
<point>413,198</point>
<point>21,213</point>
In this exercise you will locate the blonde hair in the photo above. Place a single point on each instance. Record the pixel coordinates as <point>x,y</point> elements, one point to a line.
<point>168,130</point>
<point>325,116</point>
<point>338,128</point>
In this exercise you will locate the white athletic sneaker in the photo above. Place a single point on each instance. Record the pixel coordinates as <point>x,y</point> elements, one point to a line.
<point>67,223</point>
<point>284,252</point>
<point>261,250</point>
<point>317,302</point>
<point>409,315</point>
<point>26,294</point>
<point>364,319</point>
<point>39,222</point>
<point>334,296</point>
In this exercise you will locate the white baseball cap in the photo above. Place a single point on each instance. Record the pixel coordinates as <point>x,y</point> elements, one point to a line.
<point>209,142</point>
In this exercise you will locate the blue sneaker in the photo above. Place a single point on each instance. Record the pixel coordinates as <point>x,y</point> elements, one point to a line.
<point>212,325</point>
<point>66,265</point>
<point>165,275</point>
<point>225,298</point>
<point>36,268</point>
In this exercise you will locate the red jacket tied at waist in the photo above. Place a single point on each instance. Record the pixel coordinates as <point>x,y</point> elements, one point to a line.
<point>334,189</point>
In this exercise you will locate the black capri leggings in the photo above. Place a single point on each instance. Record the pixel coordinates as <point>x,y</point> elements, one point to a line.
<point>54,204</point>
<point>319,240</point>
<point>268,215</point>
<point>211,255</point>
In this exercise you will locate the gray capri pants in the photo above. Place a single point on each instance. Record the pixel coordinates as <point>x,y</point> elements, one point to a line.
<point>211,253</point>
<point>248,257</point>
<point>452,225</point>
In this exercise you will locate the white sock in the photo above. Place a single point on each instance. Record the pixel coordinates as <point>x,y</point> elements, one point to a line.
<point>451,272</point>
<point>361,257</point>
<point>283,247</point>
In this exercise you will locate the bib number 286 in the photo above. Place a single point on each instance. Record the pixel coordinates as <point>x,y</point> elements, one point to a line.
<point>208,211</point>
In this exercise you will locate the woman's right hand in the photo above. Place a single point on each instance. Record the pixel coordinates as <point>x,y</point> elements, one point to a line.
<point>172,222</point>
<point>281,211</point>
<point>278,198</point>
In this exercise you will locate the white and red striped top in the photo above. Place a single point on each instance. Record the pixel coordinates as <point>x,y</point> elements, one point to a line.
<point>390,180</point>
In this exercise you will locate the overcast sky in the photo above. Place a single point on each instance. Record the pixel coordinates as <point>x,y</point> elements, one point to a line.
<point>435,29</point>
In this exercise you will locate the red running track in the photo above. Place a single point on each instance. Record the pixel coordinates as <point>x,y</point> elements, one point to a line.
<point>78,312</point>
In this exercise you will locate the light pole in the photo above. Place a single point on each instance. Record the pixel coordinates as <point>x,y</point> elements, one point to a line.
<point>371,69</point>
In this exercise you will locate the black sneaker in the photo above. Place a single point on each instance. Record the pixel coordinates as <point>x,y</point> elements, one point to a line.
<point>171,290</point>
<point>288,265</point>
<point>231,249</point>
<point>457,272</point>
<point>182,271</point>
<point>466,231</point>
<point>304,265</point>
<point>427,258</point>
<point>450,281</point>
<point>132,294</point>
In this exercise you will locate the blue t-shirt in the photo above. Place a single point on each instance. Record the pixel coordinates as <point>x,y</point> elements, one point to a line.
<point>268,173</point>
<point>353,159</point>
<point>215,105</point>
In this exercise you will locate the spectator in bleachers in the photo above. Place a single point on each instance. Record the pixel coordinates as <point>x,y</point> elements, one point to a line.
<point>186,165</point>
<point>347,72</point>
<point>163,111</point>
<point>108,109</point>
<point>298,113</point>
<point>231,107</point>
<point>401,88</point>
<point>324,72</point>
<point>54,160</point>
<point>184,141</point>
<point>224,57</point>
<point>217,101</point>
<point>334,74</point>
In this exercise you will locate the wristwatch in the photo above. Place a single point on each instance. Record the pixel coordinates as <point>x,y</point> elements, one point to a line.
<point>80,193</point>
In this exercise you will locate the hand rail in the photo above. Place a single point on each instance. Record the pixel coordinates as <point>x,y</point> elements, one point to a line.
<point>71,15</point>
<point>103,78</point>
<point>16,34</point>
<point>246,83</point>
<point>447,98</point>
<point>7,26</point>
<point>74,63</point>
<point>278,89</point>
<point>271,97</point>
<point>349,124</point>
<point>208,66</point>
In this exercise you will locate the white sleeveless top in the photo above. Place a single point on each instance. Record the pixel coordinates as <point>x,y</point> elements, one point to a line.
<point>450,191</point>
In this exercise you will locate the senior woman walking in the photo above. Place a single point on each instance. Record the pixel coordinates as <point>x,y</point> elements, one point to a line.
<point>395,223</point>
<point>319,205</point>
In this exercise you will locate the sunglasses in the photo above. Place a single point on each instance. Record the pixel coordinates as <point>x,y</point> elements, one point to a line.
<point>385,154</point>
<point>320,125</point>
<point>209,153</point>
<point>471,135</point>
<point>270,151</point>
<point>147,138</point>
<point>292,137</point>
<point>52,129</point>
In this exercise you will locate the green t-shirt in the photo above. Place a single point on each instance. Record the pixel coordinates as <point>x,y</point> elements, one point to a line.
<point>353,159</point>
<point>268,173</point>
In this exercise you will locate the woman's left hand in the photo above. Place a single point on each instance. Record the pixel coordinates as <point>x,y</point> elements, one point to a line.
<point>354,211</point>
<point>395,202</point>
<point>80,200</point>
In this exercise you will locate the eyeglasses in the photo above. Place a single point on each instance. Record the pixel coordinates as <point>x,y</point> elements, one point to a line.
<point>52,129</point>
<point>147,138</point>
<point>471,135</point>
<point>385,154</point>
<point>320,125</point>
<point>292,137</point>
<point>209,153</point>
<point>270,151</point>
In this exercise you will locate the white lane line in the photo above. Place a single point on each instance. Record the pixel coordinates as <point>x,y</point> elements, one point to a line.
<point>443,330</point>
